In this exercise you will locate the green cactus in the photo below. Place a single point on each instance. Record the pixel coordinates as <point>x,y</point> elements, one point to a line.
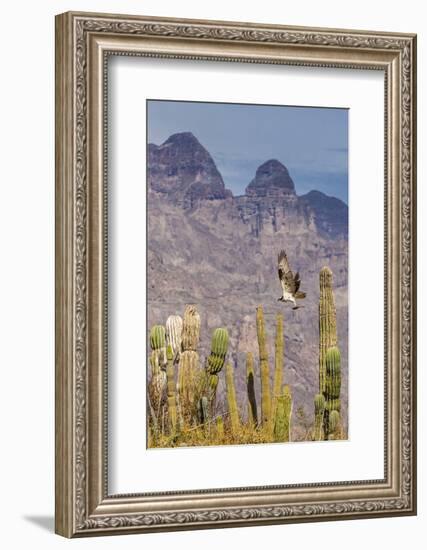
<point>174,333</point>
<point>334,421</point>
<point>231,399</point>
<point>264,368</point>
<point>215,363</point>
<point>158,365</point>
<point>327,322</point>
<point>250,384</point>
<point>278,367</point>
<point>157,337</point>
<point>219,350</point>
<point>319,410</point>
<point>170,374</point>
<point>332,387</point>
<point>220,342</point>
<point>282,425</point>
<point>203,410</point>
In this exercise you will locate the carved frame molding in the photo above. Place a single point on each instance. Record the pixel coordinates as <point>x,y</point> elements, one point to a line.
<point>83,42</point>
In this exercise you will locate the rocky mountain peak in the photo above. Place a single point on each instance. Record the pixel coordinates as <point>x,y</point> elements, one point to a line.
<point>184,170</point>
<point>271,178</point>
<point>330,213</point>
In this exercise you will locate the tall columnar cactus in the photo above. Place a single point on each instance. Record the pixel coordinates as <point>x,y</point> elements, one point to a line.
<point>264,368</point>
<point>282,425</point>
<point>170,373</point>
<point>158,347</point>
<point>189,372</point>
<point>332,386</point>
<point>250,384</point>
<point>174,333</point>
<point>215,363</point>
<point>157,337</point>
<point>190,329</point>
<point>220,342</point>
<point>231,399</point>
<point>327,322</point>
<point>158,366</point>
<point>319,410</point>
<point>278,367</point>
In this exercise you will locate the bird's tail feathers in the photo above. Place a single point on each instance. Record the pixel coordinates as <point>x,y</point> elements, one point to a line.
<point>300,295</point>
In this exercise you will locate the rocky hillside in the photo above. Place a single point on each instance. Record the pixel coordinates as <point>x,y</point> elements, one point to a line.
<point>209,248</point>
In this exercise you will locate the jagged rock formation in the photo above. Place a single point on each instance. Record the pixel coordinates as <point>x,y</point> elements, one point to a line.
<point>209,248</point>
<point>271,179</point>
<point>184,170</point>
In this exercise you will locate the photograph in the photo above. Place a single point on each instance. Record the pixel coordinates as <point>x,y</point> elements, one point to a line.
<point>247,273</point>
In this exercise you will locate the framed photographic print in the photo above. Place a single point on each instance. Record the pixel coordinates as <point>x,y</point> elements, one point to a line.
<point>235,274</point>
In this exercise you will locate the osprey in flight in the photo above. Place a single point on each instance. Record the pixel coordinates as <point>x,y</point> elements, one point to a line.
<point>290,282</point>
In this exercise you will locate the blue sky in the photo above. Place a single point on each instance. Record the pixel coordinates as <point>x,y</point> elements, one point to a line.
<point>311,142</point>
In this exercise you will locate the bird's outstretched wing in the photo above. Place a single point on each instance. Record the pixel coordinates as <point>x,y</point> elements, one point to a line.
<point>290,282</point>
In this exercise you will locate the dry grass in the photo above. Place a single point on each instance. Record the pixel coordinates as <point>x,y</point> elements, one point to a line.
<point>208,435</point>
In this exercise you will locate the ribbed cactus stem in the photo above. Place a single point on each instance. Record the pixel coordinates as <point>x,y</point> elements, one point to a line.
<point>332,386</point>
<point>215,362</point>
<point>189,369</point>
<point>264,368</point>
<point>231,399</point>
<point>157,337</point>
<point>319,410</point>
<point>250,384</point>
<point>170,373</point>
<point>334,421</point>
<point>174,333</point>
<point>278,366</point>
<point>327,322</point>
<point>190,329</point>
<point>220,342</point>
<point>188,381</point>
<point>282,425</point>
<point>157,381</point>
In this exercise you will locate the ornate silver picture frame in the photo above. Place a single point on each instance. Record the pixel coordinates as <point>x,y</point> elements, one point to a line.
<point>84,42</point>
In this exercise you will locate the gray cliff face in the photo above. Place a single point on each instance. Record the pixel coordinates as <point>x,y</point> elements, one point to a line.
<point>184,170</point>
<point>220,253</point>
<point>331,214</point>
<point>271,179</point>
